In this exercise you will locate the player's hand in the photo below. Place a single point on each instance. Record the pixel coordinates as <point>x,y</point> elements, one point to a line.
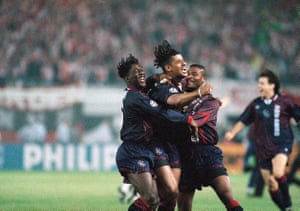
<point>206,89</point>
<point>162,78</point>
<point>165,79</point>
<point>228,136</point>
<point>194,131</point>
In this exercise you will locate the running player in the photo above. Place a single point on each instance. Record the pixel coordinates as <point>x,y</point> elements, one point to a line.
<point>271,113</point>
<point>202,162</point>
<point>135,159</point>
<point>166,90</point>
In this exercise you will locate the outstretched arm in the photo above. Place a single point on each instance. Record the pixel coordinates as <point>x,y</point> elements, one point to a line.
<point>229,135</point>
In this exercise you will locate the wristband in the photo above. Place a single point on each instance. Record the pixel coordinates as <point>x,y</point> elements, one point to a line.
<point>190,119</point>
<point>199,92</point>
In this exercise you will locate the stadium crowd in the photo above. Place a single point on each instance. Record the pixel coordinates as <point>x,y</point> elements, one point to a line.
<point>61,42</point>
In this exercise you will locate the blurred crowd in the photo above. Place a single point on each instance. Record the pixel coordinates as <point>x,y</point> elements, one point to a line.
<point>62,42</point>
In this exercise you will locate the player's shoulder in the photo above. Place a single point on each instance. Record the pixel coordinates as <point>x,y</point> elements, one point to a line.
<point>285,99</point>
<point>134,95</point>
<point>212,99</point>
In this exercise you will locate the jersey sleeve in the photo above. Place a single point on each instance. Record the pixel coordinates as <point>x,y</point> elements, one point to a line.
<point>161,92</point>
<point>148,107</point>
<point>247,116</point>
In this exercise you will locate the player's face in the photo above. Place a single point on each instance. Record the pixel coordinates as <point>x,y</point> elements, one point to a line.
<point>195,77</point>
<point>266,90</point>
<point>177,67</point>
<point>136,76</point>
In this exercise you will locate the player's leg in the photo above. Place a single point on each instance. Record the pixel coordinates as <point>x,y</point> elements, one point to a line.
<point>146,187</point>
<point>168,179</point>
<point>217,176</point>
<point>221,185</point>
<point>251,185</point>
<point>279,163</point>
<point>273,188</point>
<point>190,181</point>
<point>260,185</point>
<point>185,201</point>
<point>168,170</point>
<point>132,157</point>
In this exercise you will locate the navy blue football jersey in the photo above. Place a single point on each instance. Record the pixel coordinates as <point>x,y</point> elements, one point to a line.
<point>140,113</point>
<point>161,92</point>
<point>271,120</point>
<point>174,133</point>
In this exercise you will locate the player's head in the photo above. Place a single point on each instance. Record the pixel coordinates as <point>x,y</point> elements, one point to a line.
<point>196,76</point>
<point>268,84</point>
<point>132,72</point>
<point>170,60</point>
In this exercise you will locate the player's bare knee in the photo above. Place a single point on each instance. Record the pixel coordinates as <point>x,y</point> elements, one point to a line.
<point>278,175</point>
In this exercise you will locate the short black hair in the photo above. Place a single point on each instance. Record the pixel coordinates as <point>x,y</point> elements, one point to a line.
<point>272,78</point>
<point>125,64</point>
<point>163,52</point>
<point>198,65</point>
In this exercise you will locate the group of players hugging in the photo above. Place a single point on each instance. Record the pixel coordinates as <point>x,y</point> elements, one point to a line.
<point>169,135</point>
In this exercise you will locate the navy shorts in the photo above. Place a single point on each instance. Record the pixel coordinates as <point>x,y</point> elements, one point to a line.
<point>166,154</point>
<point>267,163</point>
<point>205,165</point>
<point>134,158</point>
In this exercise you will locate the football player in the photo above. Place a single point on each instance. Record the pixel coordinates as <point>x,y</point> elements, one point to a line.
<point>271,114</point>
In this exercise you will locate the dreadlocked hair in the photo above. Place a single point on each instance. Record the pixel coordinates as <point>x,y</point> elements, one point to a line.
<point>125,65</point>
<point>163,53</point>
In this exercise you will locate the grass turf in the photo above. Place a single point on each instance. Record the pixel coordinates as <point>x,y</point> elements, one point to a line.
<point>98,191</point>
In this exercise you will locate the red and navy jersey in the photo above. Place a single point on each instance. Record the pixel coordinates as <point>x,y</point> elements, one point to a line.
<point>271,120</point>
<point>141,115</point>
<point>204,111</point>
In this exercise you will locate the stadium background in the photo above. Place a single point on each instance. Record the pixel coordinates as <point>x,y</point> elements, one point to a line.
<point>59,86</point>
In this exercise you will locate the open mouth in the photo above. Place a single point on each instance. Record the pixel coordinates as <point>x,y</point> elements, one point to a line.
<point>261,91</point>
<point>190,82</point>
<point>141,78</point>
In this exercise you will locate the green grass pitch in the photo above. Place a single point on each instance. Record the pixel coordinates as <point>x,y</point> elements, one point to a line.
<point>71,191</point>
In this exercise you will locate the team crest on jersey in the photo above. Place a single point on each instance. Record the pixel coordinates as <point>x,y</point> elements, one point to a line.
<point>153,103</point>
<point>141,163</point>
<point>266,113</point>
<point>173,90</point>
